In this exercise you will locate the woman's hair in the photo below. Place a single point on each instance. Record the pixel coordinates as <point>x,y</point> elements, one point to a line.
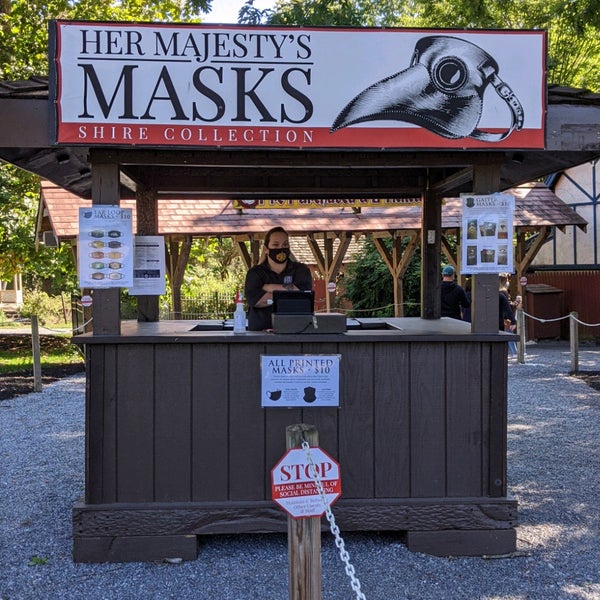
<point>265,250</point>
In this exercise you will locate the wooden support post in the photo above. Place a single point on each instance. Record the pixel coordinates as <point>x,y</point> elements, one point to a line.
<point>147,224</point>
<point>304,535</point>
<point>35,346</point>
<point>431,300</point>
<point>484,288</point>
<point>105,190</point>
<point>521,333</point>
<point>574,341</point>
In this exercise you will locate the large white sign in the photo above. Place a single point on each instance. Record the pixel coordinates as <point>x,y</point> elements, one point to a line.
<point>300,380</point>
<point>271,87</point>
<point>105,253</point>
<point>487,233</point>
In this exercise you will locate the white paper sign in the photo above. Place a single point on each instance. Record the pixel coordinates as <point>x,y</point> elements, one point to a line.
<point>149,266</point>
<point>304,380</point>
<point>487,233</point>
<point>105,249</point>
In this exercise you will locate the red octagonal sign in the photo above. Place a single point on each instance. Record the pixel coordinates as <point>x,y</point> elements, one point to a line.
<point>293,487</point>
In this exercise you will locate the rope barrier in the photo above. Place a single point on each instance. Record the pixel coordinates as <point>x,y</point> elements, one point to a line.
<point>561,319</point>
<point>67,330</point>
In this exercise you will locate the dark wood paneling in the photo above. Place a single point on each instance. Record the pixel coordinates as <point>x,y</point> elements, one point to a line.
<point>486,366</point>
<point>109,440</point>
<point>247,466</point>
<point>94,425</point>
<point>172,429</point>
<point>462,543</point>
<point>324,419</point>
<point>463,419</point>
<point>428,420</point>
<point>210,424</point>
<point>356,451</point>
<point>135,423</point>
<point>388,514</point>
<point>276,421</point>
<point>420,435</point>
<point>498,420</point>
<point>392,421</point>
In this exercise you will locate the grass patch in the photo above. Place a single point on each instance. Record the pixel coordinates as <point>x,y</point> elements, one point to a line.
<point>16,353</point>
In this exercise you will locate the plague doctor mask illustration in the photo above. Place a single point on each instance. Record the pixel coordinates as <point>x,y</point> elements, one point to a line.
<point>442,90</point>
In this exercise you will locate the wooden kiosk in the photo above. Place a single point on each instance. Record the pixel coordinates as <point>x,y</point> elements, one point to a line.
<point>177,444</point>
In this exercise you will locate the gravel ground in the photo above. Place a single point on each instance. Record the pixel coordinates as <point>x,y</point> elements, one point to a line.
<point>553,458</point>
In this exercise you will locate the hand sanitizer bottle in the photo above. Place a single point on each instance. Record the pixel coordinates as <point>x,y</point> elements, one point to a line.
<point>239,316</point>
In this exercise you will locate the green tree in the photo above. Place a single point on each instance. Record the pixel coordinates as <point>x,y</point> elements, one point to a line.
<point>573,25</point>
<point>369,285</point>
<point>23,54</point>
<point>24,25</point>
<point>18,204</point>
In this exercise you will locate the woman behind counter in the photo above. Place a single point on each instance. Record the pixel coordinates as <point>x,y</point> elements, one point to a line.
<point>275,271</point>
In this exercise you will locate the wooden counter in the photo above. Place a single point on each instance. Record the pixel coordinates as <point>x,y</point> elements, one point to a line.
<point>177,444</point>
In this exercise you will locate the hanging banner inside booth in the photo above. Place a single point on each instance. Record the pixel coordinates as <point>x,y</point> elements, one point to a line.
<point>487,233</point>
<point>300,381</point>
<point>326,203</point>
<point>283,87</point>
<point>105,247</point>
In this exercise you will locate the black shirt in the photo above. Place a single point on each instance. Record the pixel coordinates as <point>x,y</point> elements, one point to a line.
<point>258,276</point>
<point>453,297</point>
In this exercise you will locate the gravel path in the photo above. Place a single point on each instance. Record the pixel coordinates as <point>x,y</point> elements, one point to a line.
<point>553,462</point>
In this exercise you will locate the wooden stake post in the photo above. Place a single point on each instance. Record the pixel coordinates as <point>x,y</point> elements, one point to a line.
<point>304,535</point>
<point>37,362</point>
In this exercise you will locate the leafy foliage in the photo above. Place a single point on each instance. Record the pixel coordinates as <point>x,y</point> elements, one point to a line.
<point>23,54</point>
<point>214,267</point>
<point>369,284</point>
<point>18,205</point>
<point>573,25</point>
<point>48,309</point>
<point>24,25</point>
<point>332,13</point>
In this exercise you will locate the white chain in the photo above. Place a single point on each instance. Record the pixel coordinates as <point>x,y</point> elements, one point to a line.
<point>335,530</point>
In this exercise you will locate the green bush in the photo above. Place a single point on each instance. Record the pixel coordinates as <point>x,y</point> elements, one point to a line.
<point>49,309</point>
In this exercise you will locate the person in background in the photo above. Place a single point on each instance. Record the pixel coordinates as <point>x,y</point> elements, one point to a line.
<point>454,299</point>
<point>275,271</point>
<point>507,320</point>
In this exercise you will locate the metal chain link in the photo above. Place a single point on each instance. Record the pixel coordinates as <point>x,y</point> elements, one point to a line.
<point>335,530</point>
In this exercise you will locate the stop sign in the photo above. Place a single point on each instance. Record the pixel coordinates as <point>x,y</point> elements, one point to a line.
<point>292,485</point>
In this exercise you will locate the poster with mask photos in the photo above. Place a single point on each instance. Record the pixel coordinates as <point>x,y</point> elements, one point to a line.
<point>105,250</point>
<point>487,233</point>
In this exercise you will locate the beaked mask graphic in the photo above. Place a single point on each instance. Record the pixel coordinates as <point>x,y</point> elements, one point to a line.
<point>442,90</point>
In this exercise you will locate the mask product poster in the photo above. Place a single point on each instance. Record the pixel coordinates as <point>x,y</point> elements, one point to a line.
<point>300,381</point>
<point>487,233</point>
<point>149,268</point>
<point>105,250</point>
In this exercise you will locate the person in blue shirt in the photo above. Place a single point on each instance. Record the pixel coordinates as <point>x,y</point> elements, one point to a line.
<point>275,271</point>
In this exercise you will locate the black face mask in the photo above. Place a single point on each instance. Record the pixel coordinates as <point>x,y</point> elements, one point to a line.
<point>279,255</point>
